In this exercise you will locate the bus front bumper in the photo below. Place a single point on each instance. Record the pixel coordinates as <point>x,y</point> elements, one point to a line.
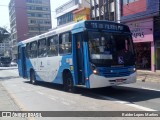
<point>97,81</point>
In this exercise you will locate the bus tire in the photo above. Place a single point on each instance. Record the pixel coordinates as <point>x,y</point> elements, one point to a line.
<point>33,78</point>
<point>68,82</point>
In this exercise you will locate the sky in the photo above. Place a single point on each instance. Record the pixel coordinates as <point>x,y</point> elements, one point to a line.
<point>4,12</point>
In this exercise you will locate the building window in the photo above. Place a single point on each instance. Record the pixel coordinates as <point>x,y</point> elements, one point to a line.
<point>34,1</point>
<point>42,15</point>
<point>128,1</point>
<point>36,7</point>
<point>65,19</point>
<point>38,1</point>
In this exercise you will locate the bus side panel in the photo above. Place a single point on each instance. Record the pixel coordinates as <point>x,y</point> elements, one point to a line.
<point>53,66</point>
<point>65,63</point>
<point>32,64</point>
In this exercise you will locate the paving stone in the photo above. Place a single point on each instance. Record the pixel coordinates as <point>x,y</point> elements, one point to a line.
<point>144,75</point>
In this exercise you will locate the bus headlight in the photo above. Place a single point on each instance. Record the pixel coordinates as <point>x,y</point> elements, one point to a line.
<point>94,69</point>
<point>132,69</point>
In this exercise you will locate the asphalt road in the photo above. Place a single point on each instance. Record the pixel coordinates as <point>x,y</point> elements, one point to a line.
<point>51,97</point>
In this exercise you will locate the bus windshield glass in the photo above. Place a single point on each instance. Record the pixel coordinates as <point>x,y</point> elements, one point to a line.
<point>111,49</point>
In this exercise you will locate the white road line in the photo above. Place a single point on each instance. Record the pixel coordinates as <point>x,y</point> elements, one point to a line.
<point>51,96</point>
<point>25,89</point>
<point>40,92</point>
<point>150,89</point>
<point>65,103</point>
<point>53,99</point>
<point>127,103</point>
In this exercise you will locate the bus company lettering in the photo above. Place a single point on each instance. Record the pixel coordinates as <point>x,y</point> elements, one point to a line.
<point>107,26</point>
<point>113,27</point>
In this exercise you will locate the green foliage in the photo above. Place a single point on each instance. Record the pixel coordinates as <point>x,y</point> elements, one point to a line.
<point>3,34</point>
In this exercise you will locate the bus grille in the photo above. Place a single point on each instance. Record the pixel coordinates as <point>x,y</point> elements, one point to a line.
<point>115,72</point>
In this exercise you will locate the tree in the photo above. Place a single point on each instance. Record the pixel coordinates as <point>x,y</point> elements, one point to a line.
<point>3,34</point>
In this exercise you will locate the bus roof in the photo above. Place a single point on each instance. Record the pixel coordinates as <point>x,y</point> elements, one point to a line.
<point>89,24</point>
<point>48,34</point>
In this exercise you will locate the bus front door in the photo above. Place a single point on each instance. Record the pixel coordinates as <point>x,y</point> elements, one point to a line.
<point>80,58</point>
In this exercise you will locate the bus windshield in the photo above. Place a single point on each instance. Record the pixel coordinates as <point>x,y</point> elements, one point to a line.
<point>111,49</point>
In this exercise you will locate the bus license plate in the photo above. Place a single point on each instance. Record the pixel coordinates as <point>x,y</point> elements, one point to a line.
<point>120,80</point>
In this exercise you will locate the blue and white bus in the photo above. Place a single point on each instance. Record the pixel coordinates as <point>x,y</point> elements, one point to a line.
<point>88,54</point>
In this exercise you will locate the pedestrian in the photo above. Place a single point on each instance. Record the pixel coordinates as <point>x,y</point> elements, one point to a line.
<point>144,62</point>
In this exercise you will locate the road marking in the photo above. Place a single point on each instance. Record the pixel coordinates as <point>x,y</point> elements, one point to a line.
<point>65,103</point>
<point>127,103</point>
<point>51,96</point>
<point>53,99</point>
<point>25,89</point>
<point>150,89</point>
<point>40,92</point>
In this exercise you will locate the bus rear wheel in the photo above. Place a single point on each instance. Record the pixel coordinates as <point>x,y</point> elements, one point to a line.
<point>33,78</point>
<point>68,82</point>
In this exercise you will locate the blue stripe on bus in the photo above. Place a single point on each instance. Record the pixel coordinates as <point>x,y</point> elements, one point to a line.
<point>115,72</point>
<point>88,71</point>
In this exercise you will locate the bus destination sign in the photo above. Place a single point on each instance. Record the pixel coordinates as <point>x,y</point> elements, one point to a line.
<point>106,26</point>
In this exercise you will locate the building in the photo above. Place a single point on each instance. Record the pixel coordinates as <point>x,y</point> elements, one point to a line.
<point>4,42</point>
<point>105,10</point>
<point>28,18</point>
<point>81,14</point>
<point>65,13</point>
<point>5,48</point>
<point>142,16</point>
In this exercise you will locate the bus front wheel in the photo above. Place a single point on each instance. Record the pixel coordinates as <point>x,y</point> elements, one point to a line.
<point>68,82</point>
<point>33,78</point>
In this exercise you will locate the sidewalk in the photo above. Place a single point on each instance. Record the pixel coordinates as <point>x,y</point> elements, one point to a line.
<point>6,102</point>
<point>145,75</point>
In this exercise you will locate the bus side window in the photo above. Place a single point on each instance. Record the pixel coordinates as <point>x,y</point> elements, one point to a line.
<point>65,45</point>
<point>19,52</point>
<point>33,50</point>
<point>53,46</point>
<point>27,50</point>
<point>42,48</point>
